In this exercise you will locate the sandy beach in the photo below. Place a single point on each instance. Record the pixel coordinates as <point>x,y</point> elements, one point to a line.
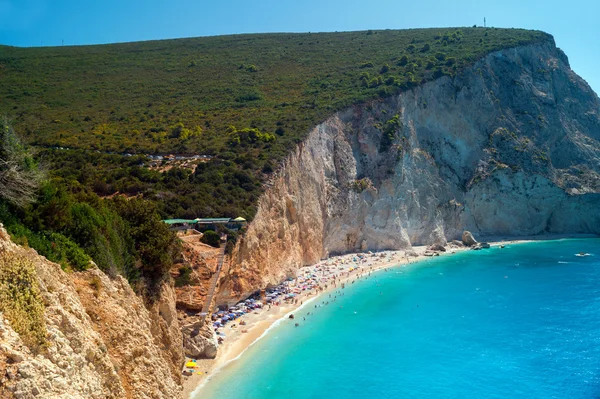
<point>259,321</point>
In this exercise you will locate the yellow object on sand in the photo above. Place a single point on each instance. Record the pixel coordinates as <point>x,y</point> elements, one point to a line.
<point>191,365</point>
<point>199,372</point>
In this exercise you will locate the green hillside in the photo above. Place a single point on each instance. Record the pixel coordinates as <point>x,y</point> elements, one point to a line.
<point>246,99</point>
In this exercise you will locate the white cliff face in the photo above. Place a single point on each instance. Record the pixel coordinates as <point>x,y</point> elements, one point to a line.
<point>510,146</point>
<point>103,342</point>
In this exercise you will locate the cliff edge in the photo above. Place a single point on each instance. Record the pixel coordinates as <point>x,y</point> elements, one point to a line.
<point>100,340</point>
<point>511,146</point>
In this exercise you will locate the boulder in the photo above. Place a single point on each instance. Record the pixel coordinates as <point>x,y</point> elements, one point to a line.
<point>437,247</point>
<point>411,253</point>
<point>199,341</point>
<point>480,245</point>
<point>468,239</point>
<point>457,243</point>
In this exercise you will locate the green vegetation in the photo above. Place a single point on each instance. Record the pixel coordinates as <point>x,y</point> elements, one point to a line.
<point>389,132</point>
<point>245,99</point>
<point>19,177</point>
<point>20,299</point>
<point>211,238</point>
<point>68,223</point>
<point>184,278</point>
<point>361,185</point>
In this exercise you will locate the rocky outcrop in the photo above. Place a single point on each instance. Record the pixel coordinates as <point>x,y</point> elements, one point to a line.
<point>103,342</point>
<point>199,341</point>
<point>480,245</point>
<point>509,146</point>
<point>468,239</point>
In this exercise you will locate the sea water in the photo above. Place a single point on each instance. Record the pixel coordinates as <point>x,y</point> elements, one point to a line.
<point>518,322</point>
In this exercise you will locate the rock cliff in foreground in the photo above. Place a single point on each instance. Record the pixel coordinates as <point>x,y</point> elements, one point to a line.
<point>511,146</point>
<point>102,342</point>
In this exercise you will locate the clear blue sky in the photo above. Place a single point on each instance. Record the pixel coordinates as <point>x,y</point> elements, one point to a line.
<point>575,24</point>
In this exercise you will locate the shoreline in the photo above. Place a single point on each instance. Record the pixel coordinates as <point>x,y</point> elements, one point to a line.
<point>258,324</point>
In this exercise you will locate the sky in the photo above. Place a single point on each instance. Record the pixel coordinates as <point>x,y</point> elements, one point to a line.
<point>575,24</point>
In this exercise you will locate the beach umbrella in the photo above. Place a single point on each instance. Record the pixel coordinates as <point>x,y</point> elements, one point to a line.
<point>190,365</point>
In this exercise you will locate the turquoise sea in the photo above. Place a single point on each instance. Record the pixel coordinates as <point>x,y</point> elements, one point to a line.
<point>518,322</point>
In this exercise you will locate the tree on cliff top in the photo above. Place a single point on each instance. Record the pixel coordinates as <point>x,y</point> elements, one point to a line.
<point>211,238</point>
<point>19,174</point>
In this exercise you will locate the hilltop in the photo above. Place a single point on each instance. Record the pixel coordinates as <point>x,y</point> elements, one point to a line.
<point>184,95</point>
<point>244,99</point>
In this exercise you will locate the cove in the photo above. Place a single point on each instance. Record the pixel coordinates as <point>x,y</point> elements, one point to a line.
<point>519,322</point>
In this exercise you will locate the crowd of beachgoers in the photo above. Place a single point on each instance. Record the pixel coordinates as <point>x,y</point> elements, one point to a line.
<point>310,280</point>
<point>239,326</point>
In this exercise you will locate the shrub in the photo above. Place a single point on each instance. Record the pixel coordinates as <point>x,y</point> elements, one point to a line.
<point>389,133</point>
<point>19,176</point>
<point>391,80</point>
<point>384,69</point>
<point>96,285</point>
<point>248,136</point>
<point>438,73</point>
<point>211,238</point>
<point>403,61</point>
<point>20,299</point>
<point>254,96</point>
<point>361,185</point>
<point>249,67</point>
<point>267,167</point>
<point>425,48</point>
<point>184,277</point>
<point>155,244</point>
<point>366,65</point>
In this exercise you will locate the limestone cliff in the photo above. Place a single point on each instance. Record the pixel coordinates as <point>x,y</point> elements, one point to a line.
<point>103,342</point>
<point>510,146</point>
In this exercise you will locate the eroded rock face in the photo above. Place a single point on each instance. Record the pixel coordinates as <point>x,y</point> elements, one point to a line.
<point>103,341</point>
<point>509,147</point>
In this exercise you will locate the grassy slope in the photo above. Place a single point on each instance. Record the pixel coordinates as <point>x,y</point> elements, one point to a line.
<point>146,97</point>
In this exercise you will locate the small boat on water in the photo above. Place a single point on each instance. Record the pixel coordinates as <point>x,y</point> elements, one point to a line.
<point>582,254</point>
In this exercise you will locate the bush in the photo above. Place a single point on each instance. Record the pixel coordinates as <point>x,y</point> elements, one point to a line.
<point>389,133</point>
<point>267,167</point>
<point>438,73</point>
<point>19,176</point>
<point>361,185</point>
<point>211,238</point>
<point>20,299</point>
<point>155,244</point>
<point>244,98</point>
<point>184,277</point>
<point>53,246</point>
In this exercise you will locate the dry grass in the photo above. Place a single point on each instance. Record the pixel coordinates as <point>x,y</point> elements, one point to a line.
<point>20,299</point>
